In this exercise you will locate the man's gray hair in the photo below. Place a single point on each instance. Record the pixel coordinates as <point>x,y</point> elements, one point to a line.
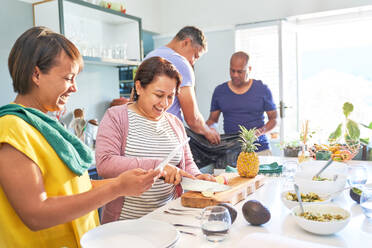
<point>194,33</point>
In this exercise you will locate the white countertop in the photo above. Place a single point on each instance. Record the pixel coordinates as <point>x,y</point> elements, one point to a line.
<point>358,233</point>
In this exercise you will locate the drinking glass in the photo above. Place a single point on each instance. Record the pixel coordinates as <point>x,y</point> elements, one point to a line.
<point>357,175</point>
<point>289,169</point>
<point>215,223</point>
<point>366,200</point>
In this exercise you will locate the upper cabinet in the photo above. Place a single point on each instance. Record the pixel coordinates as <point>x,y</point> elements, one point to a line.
<point>103,36</point>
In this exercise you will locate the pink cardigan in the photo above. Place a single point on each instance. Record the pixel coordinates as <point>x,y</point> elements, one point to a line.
<point>110,153</point>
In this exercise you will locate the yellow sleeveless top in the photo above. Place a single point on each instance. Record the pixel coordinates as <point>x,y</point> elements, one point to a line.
<point>58,181</point>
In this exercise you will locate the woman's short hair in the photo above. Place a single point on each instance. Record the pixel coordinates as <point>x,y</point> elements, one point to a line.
<point>152,68</point>
<point>41,47</point>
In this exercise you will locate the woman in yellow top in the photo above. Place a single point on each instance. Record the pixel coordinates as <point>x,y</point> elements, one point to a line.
<point>46,197</point>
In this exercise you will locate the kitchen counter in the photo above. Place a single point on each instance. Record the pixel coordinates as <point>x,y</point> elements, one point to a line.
<point>358,233</point>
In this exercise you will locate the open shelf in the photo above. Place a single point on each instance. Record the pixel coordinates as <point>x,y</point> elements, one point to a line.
<point>109,62</point>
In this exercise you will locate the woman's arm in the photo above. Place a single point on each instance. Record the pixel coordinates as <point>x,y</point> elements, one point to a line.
<point>22,183</point>
<point>110,160</point>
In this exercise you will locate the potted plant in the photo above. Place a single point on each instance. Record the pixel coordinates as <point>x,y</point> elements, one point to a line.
<point>346,138</point>
<point>292,148</point>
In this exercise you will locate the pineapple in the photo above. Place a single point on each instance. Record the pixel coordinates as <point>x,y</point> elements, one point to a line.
<point>248,164</point>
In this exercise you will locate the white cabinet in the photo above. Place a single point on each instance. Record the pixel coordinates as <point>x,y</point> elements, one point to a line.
<point>103,36</point>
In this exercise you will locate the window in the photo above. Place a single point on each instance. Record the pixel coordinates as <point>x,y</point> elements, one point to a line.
<point>313,64</point>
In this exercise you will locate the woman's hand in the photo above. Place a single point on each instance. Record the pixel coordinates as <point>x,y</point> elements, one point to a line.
<point>207,177</point>
<point>173,175</point>
<point>135,182</point>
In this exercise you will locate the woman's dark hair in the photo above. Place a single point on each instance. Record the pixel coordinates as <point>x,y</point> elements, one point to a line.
<point>152,68</point>
<point>41,47</point>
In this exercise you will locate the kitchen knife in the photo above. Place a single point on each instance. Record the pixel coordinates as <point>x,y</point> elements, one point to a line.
<point>171,155</point>
<point>202,185</point>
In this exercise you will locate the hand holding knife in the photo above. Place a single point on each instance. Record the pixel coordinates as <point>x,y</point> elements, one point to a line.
<point>188,181</point>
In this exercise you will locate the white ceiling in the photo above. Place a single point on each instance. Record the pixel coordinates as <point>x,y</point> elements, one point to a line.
<point>30,1</point>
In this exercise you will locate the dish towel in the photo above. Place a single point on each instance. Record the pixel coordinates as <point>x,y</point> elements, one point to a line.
<point>273,169</point>
<point>74,153</point>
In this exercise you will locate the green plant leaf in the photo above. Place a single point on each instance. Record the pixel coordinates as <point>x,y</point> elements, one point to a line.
<point>336,134</point>
<point>353,129</point>
<point>348,108</point>
<point>365,141</point>
<point>369,126</point>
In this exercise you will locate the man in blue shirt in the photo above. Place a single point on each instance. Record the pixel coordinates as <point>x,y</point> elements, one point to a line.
<point>244,101</point>
<point>183,51</point>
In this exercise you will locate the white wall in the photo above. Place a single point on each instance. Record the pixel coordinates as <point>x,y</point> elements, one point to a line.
<point>149,11</point>
<point>97,87</point>
<point>211,13</point>
<point>11,26</point>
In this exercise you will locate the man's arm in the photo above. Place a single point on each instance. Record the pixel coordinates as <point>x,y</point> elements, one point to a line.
<point>213,118</point>
<point>272,115</point>
<point>192,116</point>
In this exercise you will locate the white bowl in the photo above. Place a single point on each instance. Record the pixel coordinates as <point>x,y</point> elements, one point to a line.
<point>316,165</point>
<point>291,204</point>
<point>305,183</point>
<point>318,227</point>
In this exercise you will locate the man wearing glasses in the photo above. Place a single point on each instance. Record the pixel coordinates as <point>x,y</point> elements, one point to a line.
<point>183,51</point>
<point>244,101</point>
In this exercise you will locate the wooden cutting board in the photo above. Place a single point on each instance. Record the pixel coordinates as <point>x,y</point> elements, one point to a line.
<point>241,188</point>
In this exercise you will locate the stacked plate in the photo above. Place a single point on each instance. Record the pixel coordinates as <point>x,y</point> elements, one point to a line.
<point>132,233</point>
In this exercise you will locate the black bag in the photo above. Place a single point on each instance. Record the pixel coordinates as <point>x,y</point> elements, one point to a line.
<point>204,153</point>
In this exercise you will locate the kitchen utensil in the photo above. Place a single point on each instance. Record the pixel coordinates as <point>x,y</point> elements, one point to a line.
<point>189,233</point>
<point>184,210</point>
<point>202,185</point>
<point>183,225</point>
<point>329,162</point>
<point>299,198</point>
<point>181,214</point>
<point>171,155</point>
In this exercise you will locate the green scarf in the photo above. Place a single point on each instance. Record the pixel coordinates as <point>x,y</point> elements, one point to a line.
<point>75,154</point>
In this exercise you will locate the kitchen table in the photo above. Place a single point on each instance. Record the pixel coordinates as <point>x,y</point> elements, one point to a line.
<point>358,233</point>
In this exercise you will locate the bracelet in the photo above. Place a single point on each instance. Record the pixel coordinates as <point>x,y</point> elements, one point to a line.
<point>214,125</point>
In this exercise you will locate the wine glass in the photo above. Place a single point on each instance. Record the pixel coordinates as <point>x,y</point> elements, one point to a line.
<point>357,175</point>
<point>366,200</point>
<point>215,223</point>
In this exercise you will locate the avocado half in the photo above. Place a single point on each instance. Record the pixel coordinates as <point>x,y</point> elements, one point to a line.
<point>355,194</point>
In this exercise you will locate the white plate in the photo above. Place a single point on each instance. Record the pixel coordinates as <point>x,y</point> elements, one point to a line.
<point>131,233</point>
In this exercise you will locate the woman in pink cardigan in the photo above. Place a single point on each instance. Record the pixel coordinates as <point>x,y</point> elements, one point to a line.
<point>141,135</point>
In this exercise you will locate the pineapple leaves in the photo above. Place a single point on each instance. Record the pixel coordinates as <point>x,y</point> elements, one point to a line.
<point>248,137</point>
